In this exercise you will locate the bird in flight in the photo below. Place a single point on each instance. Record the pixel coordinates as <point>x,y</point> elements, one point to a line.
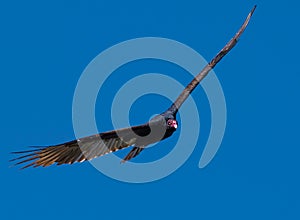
<point>156,129</point>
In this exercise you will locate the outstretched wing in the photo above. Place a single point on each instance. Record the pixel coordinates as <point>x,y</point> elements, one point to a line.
<point>82,149</point>
<point>203,73</point>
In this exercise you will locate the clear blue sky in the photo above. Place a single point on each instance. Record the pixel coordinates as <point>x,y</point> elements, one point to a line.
<point>255,174</point>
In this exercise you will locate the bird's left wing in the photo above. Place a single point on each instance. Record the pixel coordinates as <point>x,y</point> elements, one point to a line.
<point>82,149</point>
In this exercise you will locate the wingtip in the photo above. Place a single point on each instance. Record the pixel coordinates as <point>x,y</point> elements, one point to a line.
<point>16,164</point>
<point>253,9</point>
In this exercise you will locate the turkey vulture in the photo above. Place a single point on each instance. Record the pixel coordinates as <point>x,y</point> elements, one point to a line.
<point>158,128</point>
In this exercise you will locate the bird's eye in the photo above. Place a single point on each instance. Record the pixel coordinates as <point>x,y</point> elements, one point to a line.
<point>170,122</point>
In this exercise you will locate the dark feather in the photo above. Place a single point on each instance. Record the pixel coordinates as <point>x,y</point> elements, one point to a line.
<point>97,145</point>
<point>133,153</point>
<point>82,149</point>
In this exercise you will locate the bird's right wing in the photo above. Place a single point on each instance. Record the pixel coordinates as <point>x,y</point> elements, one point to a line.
<point>82,149</point>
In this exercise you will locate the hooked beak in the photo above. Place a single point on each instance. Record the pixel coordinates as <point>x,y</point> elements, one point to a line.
<point>174,124</point>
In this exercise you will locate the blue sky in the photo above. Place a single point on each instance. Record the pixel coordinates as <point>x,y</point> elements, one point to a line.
<point>255,174</point>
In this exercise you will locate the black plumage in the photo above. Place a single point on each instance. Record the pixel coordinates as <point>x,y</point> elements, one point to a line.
<point>158,128</point>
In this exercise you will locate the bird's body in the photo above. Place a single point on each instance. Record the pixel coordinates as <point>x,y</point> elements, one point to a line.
<point>158,128</point>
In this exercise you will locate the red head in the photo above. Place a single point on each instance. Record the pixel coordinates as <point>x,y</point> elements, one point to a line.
<point>172,123</point>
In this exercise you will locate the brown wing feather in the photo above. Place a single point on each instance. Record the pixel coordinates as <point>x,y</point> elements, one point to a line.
<point>133,153</point>
<point>83,149</point>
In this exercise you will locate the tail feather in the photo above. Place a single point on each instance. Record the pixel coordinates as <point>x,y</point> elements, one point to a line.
<point>133,153</point>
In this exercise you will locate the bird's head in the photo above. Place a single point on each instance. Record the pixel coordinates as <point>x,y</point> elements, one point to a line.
<point>172,124</point>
